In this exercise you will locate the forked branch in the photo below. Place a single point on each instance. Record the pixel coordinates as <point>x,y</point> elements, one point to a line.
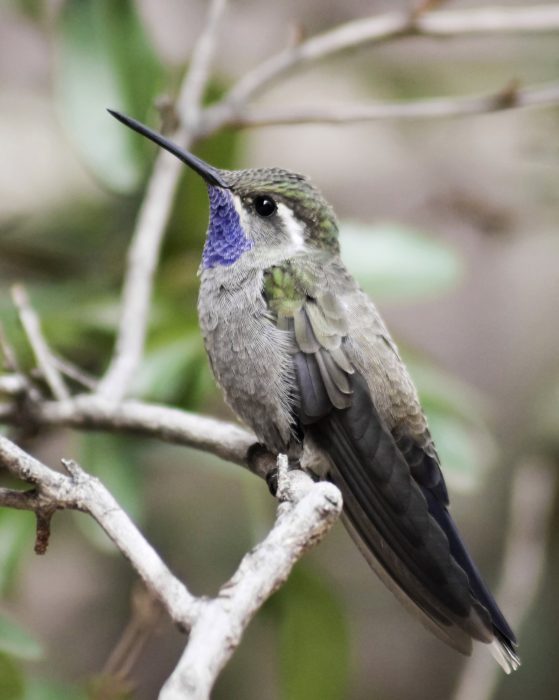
<point>305,513</point>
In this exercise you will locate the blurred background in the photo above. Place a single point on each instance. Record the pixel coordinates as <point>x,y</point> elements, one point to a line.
<point>450,225</point>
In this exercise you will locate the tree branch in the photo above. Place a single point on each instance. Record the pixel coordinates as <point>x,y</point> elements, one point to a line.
<point>143,253</point>
<point>32,327</point>
<point>13,384</point>
<point>306,512</point>
<point>510,97</point>
<point>226,440</point>
<point>80,491</point>
<point>375,30</point>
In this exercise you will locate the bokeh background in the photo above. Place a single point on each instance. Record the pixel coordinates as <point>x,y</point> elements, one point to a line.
<point>451,226</point>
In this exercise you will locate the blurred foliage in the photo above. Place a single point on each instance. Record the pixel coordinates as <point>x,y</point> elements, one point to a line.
<point>457,417</point>
<point>126,74</point>
<point>314,649</point>
<point>39,689</point>
<point>14,640</point>
<point>17,532</point>
<point>393,262</point>
<point>115,460</point>
<point>12,682</point>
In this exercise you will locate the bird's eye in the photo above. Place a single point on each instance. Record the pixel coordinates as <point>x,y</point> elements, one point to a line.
<point>264,205</point>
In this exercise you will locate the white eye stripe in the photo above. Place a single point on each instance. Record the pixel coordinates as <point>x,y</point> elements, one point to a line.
<point>238,204</point>
<point>293,226</point>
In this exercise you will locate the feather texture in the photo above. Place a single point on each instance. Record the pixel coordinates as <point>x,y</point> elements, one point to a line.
<point>357,403</point>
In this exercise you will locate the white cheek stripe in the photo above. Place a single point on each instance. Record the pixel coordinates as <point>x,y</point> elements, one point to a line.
<point>294,228</point>
<point>240,210</point>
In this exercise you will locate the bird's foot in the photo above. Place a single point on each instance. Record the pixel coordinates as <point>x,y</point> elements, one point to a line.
<point>264,463</point>
<point>272,480</point>
<point>274,474</point>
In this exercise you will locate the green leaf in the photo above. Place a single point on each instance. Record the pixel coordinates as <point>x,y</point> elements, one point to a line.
<point>392,262</point>
<point>166,367</point>
<point>115,460</point>
<point>314,649</point>
<point>36,689</point>
<point>17,533</point>
<point>17,642</point>
<point>11,679</point>
<point>105,61</point>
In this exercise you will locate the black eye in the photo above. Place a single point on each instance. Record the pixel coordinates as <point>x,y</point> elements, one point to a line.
<point>264,205</point>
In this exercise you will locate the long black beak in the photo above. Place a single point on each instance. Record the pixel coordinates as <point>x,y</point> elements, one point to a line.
<point>208,172</point>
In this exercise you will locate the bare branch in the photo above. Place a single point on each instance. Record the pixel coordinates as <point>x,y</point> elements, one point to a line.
<point>420,109</point>
<point>305,514</point>
<point>304,517</point>
<point>10,360</point>
<point>145,615</point>
<point>70,370</point>
<point>20,500</point>
<point>91,412</point>
<point>32,327</point>
<point>12,384</point>
<point>79,491</point>
<point>226,440</point>
<point>153,216</point>
<point>31,500</point>
<point>374,30</point>
<point>190,99</point>
<point>533,491</point>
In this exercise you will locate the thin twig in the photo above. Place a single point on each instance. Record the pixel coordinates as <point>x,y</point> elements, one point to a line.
<point>420,109</point>
<point>31,500</point>
<point>70,370</point>
<point>143,253</point>
<point>375,30</point>
<point>79,491</point>
<point>533,491</point>
<point>10,359</point>
<point>190,99</point>
<point>32,327</point>
<point>145,615</point>
<point>20,500</point>
<point>91,412</point>
<point>229,441</point>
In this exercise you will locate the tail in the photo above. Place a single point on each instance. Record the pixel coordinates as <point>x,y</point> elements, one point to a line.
<point>406,532</point>
<point>505,655</point>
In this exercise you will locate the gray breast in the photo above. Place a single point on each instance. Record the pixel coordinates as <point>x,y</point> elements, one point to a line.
<point>249,356</point>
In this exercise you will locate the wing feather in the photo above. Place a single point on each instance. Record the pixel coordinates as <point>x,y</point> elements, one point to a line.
<point>394,493</point>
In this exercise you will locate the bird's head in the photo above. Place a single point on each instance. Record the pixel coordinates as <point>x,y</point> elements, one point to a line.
<point>256,209</point>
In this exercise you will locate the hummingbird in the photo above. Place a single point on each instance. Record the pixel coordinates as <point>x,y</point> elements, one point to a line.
<point>304,358</point>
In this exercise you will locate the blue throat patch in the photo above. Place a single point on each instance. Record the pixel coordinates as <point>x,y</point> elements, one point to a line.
<point>225,240</point>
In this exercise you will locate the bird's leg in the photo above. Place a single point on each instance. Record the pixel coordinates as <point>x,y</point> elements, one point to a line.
<point>272,480</point>
<point>263,463</point>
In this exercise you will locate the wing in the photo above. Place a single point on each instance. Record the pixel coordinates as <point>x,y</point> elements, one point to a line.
<point>395,498</point>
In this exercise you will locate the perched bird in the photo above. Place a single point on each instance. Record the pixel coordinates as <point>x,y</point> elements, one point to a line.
<point>304,358</point>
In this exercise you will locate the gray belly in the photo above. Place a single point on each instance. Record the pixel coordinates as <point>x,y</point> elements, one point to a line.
<point>249,357</point>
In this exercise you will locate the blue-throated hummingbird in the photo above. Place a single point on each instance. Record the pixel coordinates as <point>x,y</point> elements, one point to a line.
<point>304,358</point>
